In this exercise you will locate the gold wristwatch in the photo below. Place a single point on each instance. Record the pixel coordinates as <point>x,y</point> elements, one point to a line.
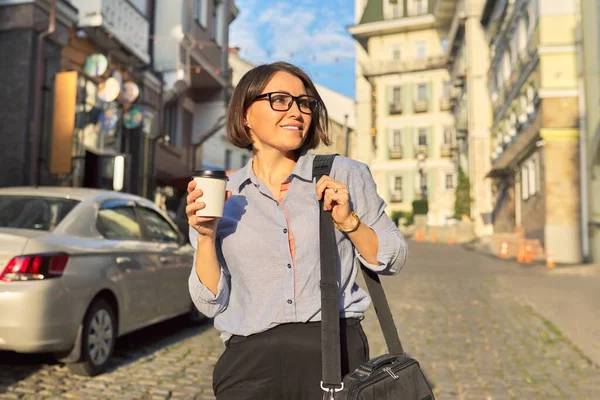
<point>354,228</point>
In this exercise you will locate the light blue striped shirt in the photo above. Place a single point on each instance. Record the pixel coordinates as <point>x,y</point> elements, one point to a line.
<point>260,285</point>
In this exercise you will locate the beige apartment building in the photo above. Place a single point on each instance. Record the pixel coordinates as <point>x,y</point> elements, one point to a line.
<point>589,36</point>
<point>468,63</point>
<point>405,128</point>
<point>537,114</point>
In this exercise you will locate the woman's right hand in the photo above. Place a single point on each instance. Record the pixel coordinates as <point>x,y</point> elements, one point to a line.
<point>205,226</point>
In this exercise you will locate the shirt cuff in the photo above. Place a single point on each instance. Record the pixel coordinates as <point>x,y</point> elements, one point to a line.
<point>200,293</point>
<point>388,247</point>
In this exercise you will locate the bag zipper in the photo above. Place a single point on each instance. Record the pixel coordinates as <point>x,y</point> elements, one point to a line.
<point>379,377</point>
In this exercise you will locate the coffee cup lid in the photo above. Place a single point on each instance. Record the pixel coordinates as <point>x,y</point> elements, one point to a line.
<point>211,173</point>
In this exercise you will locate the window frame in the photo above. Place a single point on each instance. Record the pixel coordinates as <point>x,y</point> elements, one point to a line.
<point>110,204</point>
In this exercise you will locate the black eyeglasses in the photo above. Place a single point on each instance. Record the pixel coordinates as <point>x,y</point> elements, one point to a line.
<point>281,101</point>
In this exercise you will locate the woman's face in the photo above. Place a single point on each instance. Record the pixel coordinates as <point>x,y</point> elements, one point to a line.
<point>281,130</point>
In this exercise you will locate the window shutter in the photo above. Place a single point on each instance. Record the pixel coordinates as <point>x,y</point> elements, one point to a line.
<point>407,96</point>
<point>408,146</point>
<point>431,189</point>
<point>430,101</point>
<point>431,143</point>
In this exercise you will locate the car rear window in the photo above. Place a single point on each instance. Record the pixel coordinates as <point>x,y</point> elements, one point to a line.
<point>33,212</point>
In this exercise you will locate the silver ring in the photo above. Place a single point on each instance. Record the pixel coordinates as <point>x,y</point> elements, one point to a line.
<point>335,190</point>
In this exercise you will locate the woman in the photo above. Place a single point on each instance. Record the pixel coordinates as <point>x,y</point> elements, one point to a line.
<point>256,270</point>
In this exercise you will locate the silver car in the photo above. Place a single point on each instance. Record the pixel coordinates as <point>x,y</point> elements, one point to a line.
<point>81,267</point>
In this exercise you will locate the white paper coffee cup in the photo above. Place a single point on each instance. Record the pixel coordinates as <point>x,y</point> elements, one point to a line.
<point>213,184</point>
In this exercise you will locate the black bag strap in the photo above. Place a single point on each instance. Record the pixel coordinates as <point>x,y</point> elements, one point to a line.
<point>330,313</point>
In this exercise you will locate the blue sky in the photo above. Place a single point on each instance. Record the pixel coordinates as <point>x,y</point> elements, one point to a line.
<point>309,33</point>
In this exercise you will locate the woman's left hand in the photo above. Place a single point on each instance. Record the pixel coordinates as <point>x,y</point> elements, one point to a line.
<point>337,199</point>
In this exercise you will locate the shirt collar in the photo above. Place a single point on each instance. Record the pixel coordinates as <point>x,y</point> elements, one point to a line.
<point>302,170</point>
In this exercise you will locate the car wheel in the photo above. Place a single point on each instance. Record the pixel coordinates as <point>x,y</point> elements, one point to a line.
<point>97,341</point>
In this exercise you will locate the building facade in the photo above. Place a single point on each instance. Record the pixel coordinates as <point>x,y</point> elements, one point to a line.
<point>405,128</point>
<point>533,81</point>
<point>90,106</point>
<point>468,63</point>
<point>589,38</point>
<point>191,52</point>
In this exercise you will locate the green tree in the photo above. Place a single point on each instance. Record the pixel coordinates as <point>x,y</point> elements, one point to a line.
<point>462,205</point>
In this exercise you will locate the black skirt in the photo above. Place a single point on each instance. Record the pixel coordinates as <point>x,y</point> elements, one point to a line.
<point>283,363</point>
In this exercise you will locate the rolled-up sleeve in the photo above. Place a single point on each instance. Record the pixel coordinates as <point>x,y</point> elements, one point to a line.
<point>370,207</point>
<point>205,301</point>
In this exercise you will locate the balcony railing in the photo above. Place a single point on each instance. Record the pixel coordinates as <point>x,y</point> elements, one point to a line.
<point>120,19</point>
<point>396,152</point>
<point>395,108</point>
<point>421,149</point>
<point>446,150</point>
<point>421,106</point>
<point>396,196</point>
<point>389,67</point>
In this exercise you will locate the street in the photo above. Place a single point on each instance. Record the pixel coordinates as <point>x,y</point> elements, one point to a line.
<point>475,338</point>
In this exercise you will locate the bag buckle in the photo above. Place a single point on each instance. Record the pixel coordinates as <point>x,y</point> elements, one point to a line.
<point>331,391</point>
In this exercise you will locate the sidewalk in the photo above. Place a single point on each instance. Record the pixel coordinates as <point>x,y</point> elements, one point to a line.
<point>567,296</point>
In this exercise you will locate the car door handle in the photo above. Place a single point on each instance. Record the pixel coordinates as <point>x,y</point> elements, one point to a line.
<point>123,260</point>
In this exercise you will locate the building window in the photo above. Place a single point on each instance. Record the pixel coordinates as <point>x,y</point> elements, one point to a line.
<point>397,95</point>
<point>171,112</point>
<point>398,184</point>
<point>420,7</point>
<point>396,100</point>
<point>530,177</point>
<point>422,137</point>
<point>422,92</point>
<point>447,89</point>
<point>449,181</point>
<point>396,139</point>
<point>396,52</point>
<point>214,34</point>
<point>421,50</point>
<point>448,136</point>
<point>444,45</point>
<point>227,159</point>
<point>200,12</point>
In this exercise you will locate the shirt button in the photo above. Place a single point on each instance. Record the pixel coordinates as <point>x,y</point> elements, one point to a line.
<point>289,301</point>
<point>289,265</point>
<point>284,230</point>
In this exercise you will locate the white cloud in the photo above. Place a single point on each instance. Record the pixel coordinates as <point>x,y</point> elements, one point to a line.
<point>284,31</point>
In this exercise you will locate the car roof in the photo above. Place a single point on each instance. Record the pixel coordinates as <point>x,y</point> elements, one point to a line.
<point>81,194</point>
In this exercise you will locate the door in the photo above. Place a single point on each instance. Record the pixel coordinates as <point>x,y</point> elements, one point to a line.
<point>173,260</point>
<point>118,223</point>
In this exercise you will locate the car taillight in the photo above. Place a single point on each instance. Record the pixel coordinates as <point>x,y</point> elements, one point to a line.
<point>35,267</point>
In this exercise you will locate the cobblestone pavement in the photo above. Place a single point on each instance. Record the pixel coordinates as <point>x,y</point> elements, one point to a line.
<point>473,336</point>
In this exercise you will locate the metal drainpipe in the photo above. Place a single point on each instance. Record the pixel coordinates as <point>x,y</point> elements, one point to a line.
<point>583,139</point>
<point>37,96</point>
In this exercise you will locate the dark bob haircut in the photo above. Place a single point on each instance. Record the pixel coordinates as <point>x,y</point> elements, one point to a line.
<point>252,84</point>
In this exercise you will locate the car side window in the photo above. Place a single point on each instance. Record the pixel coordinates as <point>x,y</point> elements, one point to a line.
<point>157,227</point>
<point>119,223</point>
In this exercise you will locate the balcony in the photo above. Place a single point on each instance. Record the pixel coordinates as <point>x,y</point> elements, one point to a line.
<point>396,152</point>
<point>421,149</point>
<point>421,106</point>
<point>395,108</point>
<point>396,196</point>
<point>446,151</point>
<point>389,67</point>
<point>445,103</point>
<point>120,20</point>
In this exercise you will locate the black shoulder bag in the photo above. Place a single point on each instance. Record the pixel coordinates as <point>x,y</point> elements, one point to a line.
<point>390,376</point>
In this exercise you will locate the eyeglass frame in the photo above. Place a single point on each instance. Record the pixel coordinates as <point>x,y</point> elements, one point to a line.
<point>294,99</point>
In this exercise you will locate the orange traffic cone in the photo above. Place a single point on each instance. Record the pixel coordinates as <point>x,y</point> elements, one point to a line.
<point>452,240</point>
<point>419,236</point>
<point>504,250</point>
<point>550,261</point>
<point>528,259</point>
<point>433,237</point>
<point>521,253</point>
